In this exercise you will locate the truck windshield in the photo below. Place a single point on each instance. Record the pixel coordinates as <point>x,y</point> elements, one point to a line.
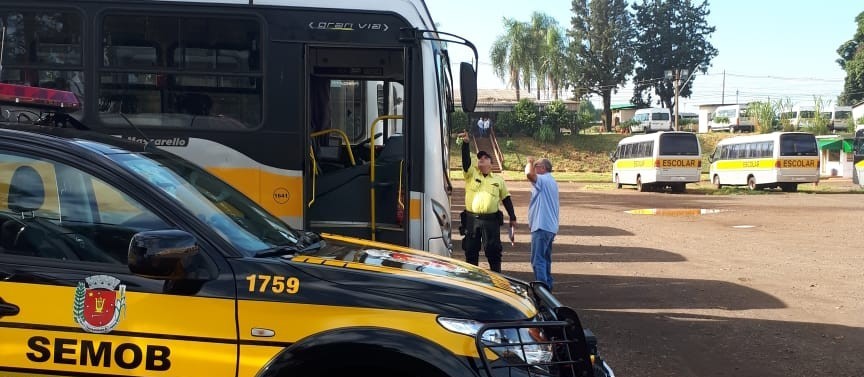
<point>236,218</point>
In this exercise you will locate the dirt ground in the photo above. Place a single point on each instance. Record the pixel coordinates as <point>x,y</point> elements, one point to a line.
<point>772,285</point>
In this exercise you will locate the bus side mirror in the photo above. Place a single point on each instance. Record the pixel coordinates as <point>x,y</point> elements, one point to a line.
<point>612,156</point>
<point>711,158</point>
<point>468,87</point>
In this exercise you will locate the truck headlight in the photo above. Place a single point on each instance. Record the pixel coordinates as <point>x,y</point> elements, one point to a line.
<point>524,343</point>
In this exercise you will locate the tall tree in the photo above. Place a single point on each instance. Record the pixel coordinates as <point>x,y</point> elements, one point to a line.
<point>541,27</point>
<point>602,37</point>
<point>511,54</point>
<point>852,61</point>
<point>555,60</point>
<point>675,37</point>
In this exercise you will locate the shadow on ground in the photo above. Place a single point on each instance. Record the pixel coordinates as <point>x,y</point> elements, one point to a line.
<point>650,344</point>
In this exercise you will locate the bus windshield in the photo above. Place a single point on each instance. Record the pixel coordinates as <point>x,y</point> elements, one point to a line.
<point>798,145</point>
<point>679,145</point>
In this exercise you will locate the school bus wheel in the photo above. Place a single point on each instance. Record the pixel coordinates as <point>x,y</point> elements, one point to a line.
<point>751,183</point>
<point>789,187</point>
<point>639,186</point>
<point>618,184</point>
<point>716,182</point>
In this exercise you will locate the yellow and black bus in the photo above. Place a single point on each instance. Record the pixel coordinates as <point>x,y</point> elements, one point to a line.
<point>331,114</point>
<point>779,159</point>
<point>659,160</point>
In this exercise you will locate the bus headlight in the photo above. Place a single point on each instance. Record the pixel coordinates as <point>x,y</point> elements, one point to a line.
<point>525,344</point>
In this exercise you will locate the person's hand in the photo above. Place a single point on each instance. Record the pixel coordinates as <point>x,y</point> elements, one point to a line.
<point>531,160</point>
<point>513,224</point>
<point>464,136</point>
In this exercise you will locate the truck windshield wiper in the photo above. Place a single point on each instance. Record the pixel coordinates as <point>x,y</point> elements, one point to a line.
<point>290,250</point>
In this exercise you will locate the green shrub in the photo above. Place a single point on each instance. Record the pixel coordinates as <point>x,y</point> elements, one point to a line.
<point>546,134</point>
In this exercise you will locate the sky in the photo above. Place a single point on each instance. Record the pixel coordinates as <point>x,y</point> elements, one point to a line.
<point>767,48</point>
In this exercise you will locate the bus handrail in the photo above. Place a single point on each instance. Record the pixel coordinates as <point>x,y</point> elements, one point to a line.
<point>345,141</point>
<point>372,168</point>
<point>314,176</point>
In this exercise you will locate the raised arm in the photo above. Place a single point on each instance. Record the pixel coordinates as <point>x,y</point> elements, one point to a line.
<point>466,152</point>
<point>530,172</point>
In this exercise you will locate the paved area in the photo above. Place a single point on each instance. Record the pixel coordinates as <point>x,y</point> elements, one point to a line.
<point>768,285</point>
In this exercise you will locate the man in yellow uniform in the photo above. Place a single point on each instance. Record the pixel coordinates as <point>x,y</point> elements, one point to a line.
<point>482,220</point>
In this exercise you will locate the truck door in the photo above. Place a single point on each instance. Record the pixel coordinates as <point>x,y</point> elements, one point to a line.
<point>69,304</point>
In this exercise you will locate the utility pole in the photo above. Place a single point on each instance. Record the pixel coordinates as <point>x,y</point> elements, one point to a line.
<point>723,91</point>
<point>675,76</point>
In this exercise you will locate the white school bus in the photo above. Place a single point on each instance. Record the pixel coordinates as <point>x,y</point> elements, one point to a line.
<point>779,159</point>
<point>655,161</point>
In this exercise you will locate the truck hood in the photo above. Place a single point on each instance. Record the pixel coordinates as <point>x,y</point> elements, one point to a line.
<point>386,258</point>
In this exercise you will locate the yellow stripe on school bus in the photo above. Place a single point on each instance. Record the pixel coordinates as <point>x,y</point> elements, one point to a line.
<point>764,163</point>
<point>634,163</point>
<point>280,195</point>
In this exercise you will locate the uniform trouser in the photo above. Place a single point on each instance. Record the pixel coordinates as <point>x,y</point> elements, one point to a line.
<point>483,232</point>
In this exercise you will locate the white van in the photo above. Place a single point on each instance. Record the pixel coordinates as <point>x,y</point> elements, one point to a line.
<point>652,119</point>
<point>653,162</point>
<point>839,116</point>
<point>779,159</point>
<point>731,118</point>
<point>802,116</point>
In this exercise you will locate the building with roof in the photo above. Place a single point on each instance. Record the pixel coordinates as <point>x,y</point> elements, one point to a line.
<point>835,155</point>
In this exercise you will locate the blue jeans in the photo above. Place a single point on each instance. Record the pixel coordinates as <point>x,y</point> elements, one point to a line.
<point>541,256</point>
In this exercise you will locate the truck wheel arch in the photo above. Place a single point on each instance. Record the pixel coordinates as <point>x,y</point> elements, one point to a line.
<point>326,353</point>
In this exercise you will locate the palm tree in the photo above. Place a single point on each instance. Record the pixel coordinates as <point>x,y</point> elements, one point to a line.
<point>553,58</point>
<point>511,54</point>
<point>541,27</point>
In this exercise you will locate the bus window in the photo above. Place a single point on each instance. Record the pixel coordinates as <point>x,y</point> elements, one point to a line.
<point>798,145</point>
<point>676,144</point>
<point>43,49</point>
<point>189,72</point>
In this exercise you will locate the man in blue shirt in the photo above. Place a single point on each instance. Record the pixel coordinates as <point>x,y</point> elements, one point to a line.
<point>542,217</point>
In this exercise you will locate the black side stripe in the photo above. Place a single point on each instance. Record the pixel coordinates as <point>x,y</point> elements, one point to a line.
<point>185,338</point>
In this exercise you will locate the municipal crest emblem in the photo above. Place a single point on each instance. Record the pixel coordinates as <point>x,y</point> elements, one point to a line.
<point>97,305</point>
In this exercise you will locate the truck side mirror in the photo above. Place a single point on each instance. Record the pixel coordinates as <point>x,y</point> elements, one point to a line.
<point>161,253</point>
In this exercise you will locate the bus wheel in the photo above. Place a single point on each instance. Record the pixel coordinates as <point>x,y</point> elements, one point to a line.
<point>679,188</point>
<point>789,187</point>
<point>640,186</point>
<point>716,182</point>
<point>751,183</point>
<point>618,184</point>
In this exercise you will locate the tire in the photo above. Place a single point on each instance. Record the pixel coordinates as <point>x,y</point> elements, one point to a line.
<point>751,183</point>
<point>716,182</point>
<point>639,186</point>
<point>618,184</point>
<point>679,188</point>
<point>789,187</point>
